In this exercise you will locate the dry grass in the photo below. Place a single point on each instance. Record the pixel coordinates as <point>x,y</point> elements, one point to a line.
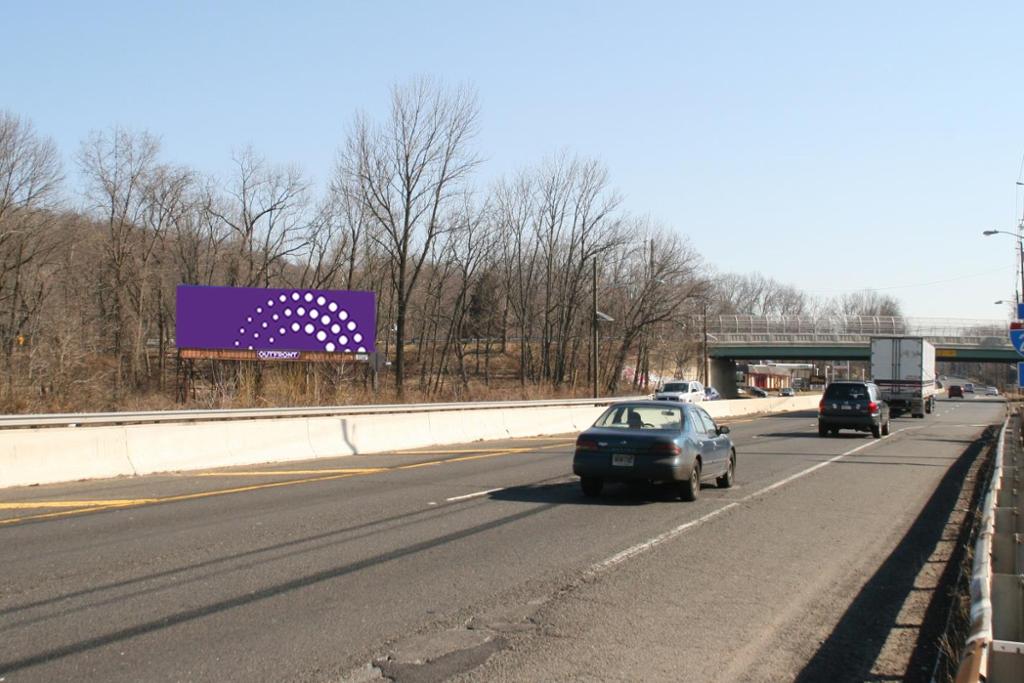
<point>248,385</point>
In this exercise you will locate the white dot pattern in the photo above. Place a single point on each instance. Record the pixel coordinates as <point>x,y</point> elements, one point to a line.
<point>328,325</point>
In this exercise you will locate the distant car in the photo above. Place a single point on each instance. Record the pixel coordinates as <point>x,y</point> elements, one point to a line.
<point>757,392</point>
<point>687,391</point>
<point>787,391</point>
<point>655,441</point>
<point>711,394</point>
<point>991,391</point>
<point>968,388</point>
<point>855,405</point>
<point>955,391</point>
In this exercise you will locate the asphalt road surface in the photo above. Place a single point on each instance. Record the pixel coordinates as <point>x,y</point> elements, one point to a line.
<point>480,562</point>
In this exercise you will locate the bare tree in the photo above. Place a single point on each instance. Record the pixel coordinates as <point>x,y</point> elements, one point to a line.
<point>658,277</point>
<point>265,211</point>
<point>117,167</point>
<point>30,175</point>
<point>758,295</point>
<point>515,216</point>
<point>577,222</point>
<point>407,171</point>
<point>868,302</point>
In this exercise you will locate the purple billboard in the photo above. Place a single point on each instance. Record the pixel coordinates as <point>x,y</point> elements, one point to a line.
<point>275,320</point>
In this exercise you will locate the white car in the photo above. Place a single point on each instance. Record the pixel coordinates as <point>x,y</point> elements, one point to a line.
<point>686,391</point>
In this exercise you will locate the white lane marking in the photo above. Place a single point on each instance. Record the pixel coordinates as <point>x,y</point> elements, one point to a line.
<point>644,546</point>
<point>471,495</point>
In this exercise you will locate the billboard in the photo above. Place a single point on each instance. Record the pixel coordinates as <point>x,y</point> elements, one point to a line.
<point>275,324</point>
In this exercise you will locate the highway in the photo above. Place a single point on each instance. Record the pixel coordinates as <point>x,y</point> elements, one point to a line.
<point>485,562</point>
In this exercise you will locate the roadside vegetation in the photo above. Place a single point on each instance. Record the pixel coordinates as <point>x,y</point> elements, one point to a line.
<point>483,291</point>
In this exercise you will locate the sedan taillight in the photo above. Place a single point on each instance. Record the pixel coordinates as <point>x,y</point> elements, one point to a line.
<point>586,444</point>
<point>821,406</point>
<point>872,407</point>
<point>667,447</point>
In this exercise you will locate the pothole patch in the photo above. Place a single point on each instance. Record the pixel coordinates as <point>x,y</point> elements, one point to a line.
<point>440,655</point>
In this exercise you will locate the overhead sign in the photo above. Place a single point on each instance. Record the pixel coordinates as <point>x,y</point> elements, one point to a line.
<point>1020,311</point>
<point>1020,375</point>
<point>1017,336</point>
<point>275,323</point>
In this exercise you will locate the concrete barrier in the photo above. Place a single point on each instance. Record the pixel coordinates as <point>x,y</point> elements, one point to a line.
<point>328,437</point>
<point>379,433</point>
<point>38,456</point>
<point>188,446</point>
<point>42,456</point>
<point>753,406</point>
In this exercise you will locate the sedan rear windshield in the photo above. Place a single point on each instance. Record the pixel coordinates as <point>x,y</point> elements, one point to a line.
<point>676,386</point>
<point>847,392</point>
<point>641,417</point>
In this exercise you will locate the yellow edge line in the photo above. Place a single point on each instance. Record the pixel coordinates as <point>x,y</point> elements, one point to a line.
<point>75,503</point>
<point>95,506</point>
<point>444,452</point>
<point>271,473</point>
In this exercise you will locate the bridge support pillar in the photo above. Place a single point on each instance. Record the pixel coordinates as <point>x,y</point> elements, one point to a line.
<point>723,376</point>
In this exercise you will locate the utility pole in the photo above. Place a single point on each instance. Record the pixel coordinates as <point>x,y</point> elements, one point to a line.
<point>593,333</point>
<point>704,350</point>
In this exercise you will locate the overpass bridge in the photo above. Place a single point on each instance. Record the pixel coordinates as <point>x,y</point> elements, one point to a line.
<point>734,338</point>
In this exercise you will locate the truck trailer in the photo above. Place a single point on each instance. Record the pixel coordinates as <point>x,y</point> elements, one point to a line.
<point>904,370</point>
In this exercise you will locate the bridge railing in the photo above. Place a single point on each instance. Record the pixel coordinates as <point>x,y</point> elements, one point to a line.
<point>746,329</point>
<point>852,339</point>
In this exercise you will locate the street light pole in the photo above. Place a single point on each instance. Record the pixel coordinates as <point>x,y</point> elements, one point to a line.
<point>1019,236</point>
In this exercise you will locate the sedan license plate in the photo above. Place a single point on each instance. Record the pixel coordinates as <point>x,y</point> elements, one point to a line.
<point>847,406</point>
<point>622,459</point>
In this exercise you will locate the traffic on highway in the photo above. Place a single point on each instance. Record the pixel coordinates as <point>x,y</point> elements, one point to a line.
<point>486,560</point>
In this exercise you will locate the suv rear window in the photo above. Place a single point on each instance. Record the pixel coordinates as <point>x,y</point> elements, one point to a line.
<point>847,392</point>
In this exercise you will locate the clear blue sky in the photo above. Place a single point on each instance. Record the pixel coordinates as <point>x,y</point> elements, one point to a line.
<point>830,147</point>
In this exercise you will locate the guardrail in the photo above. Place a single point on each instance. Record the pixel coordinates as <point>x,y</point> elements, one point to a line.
<point>993,651</point>
<point>162,416</point>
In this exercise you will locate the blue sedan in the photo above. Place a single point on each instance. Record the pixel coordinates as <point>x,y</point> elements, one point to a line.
<point>655,441</point>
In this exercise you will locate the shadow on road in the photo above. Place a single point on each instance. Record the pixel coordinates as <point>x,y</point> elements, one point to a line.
<point>569,493</point>
<point>247,597</point>
<point>850,652</point>
<point>815,435</point>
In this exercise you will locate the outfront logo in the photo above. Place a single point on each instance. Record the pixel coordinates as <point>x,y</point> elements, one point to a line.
<point>277,355</point>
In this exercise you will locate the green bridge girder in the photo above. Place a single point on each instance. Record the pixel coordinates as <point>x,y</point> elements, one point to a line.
<point>779,352</point>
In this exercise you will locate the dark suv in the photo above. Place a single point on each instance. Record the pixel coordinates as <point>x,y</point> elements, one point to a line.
<point>852,405</point>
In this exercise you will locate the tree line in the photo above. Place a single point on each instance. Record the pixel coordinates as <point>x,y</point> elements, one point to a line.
<point>485,287</point>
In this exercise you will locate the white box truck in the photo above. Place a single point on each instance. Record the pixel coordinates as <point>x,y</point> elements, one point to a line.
<point>904,370</point>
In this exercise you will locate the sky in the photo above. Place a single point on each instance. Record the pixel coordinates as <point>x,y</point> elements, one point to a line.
<point>831,146</point>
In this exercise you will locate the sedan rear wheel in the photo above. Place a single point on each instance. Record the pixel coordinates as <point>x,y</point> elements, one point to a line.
<point>689,490</point>
<point>591,486</point>
<point>725,481</point>
<point>876,431</point>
